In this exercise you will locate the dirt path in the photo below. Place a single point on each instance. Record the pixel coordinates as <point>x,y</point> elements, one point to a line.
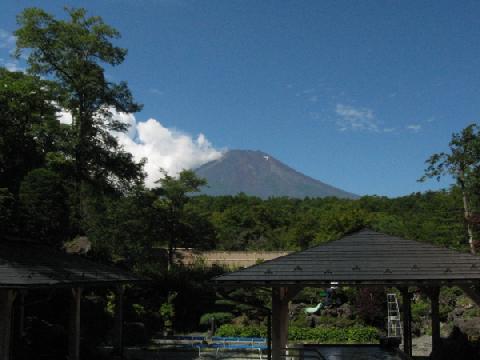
<point>422,346</point>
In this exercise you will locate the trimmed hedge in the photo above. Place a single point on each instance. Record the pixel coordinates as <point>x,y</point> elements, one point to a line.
<point>243,331</point>
<point>318,335</point>
<point>333,335</point>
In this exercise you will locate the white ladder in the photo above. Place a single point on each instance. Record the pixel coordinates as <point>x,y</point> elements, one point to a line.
<point>394,323</point>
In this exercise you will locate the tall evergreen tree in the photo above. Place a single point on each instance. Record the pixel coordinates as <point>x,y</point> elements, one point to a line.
<point>73,53</point>
<point>174,194</point>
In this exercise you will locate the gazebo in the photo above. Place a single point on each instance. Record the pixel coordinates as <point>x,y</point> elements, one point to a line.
<point>363,258</point>
<point>27,266</point>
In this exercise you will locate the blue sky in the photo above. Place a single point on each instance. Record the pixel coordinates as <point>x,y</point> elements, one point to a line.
<point>354,93</point>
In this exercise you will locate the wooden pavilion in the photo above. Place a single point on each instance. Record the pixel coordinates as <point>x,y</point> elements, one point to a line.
<point>363,258</point>
<point>28,266</point>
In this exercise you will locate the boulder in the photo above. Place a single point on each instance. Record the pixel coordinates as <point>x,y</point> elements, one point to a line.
<point>456,313</point>
<point>470,327</point>
<point>345,311</point>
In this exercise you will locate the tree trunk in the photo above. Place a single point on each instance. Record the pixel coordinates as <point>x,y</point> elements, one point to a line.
<point>170,256</point>
<point>467,214</point>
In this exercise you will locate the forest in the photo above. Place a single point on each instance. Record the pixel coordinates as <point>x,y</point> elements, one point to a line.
<point>61,182</point>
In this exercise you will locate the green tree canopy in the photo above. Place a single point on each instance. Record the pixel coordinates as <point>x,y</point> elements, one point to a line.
<point>73,53</point>
<point>29,129</point>
<point>174,194</point>
<point>462,163</point>
<point>44,206</point>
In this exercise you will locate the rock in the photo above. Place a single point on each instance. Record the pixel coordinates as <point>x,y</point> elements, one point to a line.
<point>470,327</point>
<point>296,310</point>
<point>345,311</point>
<point>455,313</point>
<point>330,312</point>
<point>241,320</point>
<point>79,245</point>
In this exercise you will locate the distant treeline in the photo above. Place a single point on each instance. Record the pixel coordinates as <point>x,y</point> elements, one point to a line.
<point>243,222</point>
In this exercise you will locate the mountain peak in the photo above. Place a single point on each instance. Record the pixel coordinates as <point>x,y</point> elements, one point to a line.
<point>257,173</point>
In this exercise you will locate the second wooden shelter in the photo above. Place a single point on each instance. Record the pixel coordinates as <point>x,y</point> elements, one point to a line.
<point>363,258</point>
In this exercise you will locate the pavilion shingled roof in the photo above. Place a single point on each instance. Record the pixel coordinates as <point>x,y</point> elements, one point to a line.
<point>33,265</point>
<point>365,257</point>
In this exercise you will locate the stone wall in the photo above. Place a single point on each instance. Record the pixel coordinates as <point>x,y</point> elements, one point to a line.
<point>234,259</point>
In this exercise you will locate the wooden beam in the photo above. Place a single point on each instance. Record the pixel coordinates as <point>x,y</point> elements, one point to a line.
<point>7,297</point>
<point>74,333</point>
<point>118,322</point>
<point>407,321</point>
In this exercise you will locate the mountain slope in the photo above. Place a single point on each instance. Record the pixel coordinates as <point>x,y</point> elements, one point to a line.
<point>259,174</point>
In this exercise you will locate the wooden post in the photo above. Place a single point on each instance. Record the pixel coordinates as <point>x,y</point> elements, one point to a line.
<point>434,298</point>
<point>284,320</point>
<point>276,309</point>
<point>7,297</point>
<point>280,299</point>
<point>20,314</point>
<point>74,333</point>
<point>269,336</point>
<point>118,322</point>
<point>407,321</point>
<point>19,323</point>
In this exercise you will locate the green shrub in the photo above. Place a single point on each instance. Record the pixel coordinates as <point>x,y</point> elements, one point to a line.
<point>301,320</point>
<point>219,317</point>
<point>325,335</point>
<point>420,309</point>
<point>338,322</point>
<point>334,335</point>
<point>244,331</point>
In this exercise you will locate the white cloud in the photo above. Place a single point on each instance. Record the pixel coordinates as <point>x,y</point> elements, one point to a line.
<point>11,65</point>
<point>356,119</point>
<point>7,39</point>
<point>64,117</point>
<point>305,93</point>
<point>414,127</point>
<point>156,91</point>
<point>313,98</point>
<point>164,148</point>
